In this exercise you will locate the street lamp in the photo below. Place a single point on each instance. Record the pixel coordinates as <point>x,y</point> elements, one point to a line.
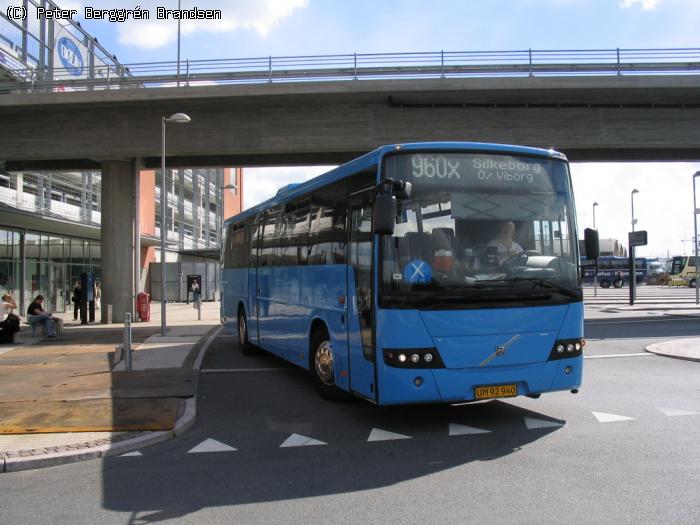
<point>175,118</point>
<point>695,239</point>
<point>223,217</point>
<point>594,206</point>
<point>633,276</point>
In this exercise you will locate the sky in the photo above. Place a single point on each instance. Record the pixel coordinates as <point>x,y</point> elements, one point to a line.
<point>260,28</point>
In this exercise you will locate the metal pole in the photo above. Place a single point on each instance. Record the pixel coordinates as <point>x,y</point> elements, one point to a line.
<point>695,224</point>
<point>633,273</point>
<point>137,228</point>
<point>163,204</point>
<point>127,341</point>
<point>199,307</point>
<point>178,46</point>
<point>595,271</point>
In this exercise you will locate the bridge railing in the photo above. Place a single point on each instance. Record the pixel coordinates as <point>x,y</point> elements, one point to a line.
<point>366,66</point>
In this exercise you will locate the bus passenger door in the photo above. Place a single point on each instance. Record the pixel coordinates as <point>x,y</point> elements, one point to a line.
<point>361,293</point>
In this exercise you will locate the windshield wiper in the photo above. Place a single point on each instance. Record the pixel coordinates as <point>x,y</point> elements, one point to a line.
<point>547,283</point>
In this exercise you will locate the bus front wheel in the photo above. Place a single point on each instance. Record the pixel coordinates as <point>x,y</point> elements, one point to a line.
<point>692,283</point>
<point>246,347</point>
<point>322,366</point>
<point>617,283</point>
<point>605,283</point>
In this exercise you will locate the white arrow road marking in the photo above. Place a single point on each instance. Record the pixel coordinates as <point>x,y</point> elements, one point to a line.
<point>297,440</point>
<point>532,423</point>
<point>378,434</point>
<point>677,412</point>
<point>211,445</point>
<point>462,430</point>
<point>603,417</point>
<point>131,454</point>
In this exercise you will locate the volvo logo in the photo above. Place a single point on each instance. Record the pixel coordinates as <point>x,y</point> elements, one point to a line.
<point>500,350</point>
<point>70,56</point>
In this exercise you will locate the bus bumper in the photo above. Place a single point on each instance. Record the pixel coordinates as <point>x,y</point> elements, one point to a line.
<point>407,386</point>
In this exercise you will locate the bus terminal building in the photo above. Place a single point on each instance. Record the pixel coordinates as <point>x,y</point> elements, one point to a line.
<point>50,231</point>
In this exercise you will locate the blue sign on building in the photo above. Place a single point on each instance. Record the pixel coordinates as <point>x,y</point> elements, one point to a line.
<point>70,56</point>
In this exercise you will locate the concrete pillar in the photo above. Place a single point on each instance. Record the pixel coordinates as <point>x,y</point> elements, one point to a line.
<point>118,215</point>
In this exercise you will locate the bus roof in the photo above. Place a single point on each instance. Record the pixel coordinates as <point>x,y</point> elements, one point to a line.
<point>371,159</point>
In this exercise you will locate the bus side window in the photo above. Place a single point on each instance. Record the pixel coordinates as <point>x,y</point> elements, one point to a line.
<point>270,239</point>
<point>327,236</point>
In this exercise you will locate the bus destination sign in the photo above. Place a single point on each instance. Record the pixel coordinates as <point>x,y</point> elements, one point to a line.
<point>472,170</point>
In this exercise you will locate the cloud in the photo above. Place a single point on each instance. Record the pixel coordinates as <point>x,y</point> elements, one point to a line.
<point>647,5</point>
<point>663,206</point>
<point>262,183</point>
<point>261,16</point>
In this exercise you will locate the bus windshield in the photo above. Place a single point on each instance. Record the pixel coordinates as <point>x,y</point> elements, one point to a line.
<point>479,228</point>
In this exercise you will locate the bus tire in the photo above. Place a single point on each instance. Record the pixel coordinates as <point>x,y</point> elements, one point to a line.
<point>246,347</point>
<point>321,366</point>
<point>692,283</point>
<point>617,283</point>
<point>605,283</point>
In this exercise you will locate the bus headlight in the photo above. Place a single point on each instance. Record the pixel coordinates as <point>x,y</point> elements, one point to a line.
<point>566,348</point>
<point>413,358</point>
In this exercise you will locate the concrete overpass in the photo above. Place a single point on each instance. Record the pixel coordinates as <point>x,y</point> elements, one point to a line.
<point>603,118</point>
<point>588,118</point>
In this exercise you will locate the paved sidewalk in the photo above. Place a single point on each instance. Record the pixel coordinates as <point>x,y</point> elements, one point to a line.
<point>65,399</point>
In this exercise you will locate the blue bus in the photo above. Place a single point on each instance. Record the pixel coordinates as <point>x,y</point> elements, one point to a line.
<point>614,271</point>
<point>417,273</point>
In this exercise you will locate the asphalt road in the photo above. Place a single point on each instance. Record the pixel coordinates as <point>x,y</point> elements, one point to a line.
<point>562,458</point>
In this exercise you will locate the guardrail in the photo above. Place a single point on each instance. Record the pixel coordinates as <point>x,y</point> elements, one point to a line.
<point>366,66</point>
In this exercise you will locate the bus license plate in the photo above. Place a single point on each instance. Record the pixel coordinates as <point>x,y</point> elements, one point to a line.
<point>489,392</point>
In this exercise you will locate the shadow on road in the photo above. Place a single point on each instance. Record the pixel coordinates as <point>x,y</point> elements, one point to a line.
<point>256,412</point>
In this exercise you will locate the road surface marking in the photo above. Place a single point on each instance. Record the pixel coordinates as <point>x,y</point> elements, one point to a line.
<point>677,412</point>
<point>533,423</point>
<point>378,434</point>
<point>211,445</point>
<point>131,454</point>
<point>463,430</point>
<point>234,370</point>
<point>608,356</point>
<point>297,440</point>
<point>603,417</point>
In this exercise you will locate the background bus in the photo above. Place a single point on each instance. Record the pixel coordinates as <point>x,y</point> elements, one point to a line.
<point>681,271</point>
<point>613,271</point>
<point>431,309</point>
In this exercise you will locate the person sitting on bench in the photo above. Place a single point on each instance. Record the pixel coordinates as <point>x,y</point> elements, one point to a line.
<point>9,322</point>
<point>37,316</point>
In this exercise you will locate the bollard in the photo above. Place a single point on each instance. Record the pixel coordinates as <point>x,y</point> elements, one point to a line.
<point>127,341</point>
<point>199,310</point>
<point>106,314</point>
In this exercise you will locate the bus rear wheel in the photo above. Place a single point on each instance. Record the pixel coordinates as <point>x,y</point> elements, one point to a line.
<point>605,283</point>
<point>617,283</point>
<point>246,347</point>
<point>692,283</point>
<point>322,367</point>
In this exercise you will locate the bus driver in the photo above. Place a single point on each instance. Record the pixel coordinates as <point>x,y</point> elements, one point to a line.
<point>504,242</point>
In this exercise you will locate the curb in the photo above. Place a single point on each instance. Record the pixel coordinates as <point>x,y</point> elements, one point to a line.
<point>183,424</point>
<point>658,349</point>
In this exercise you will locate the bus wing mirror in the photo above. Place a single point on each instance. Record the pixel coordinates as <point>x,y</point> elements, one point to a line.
<point>591,243</point>
<point>384,213</point>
